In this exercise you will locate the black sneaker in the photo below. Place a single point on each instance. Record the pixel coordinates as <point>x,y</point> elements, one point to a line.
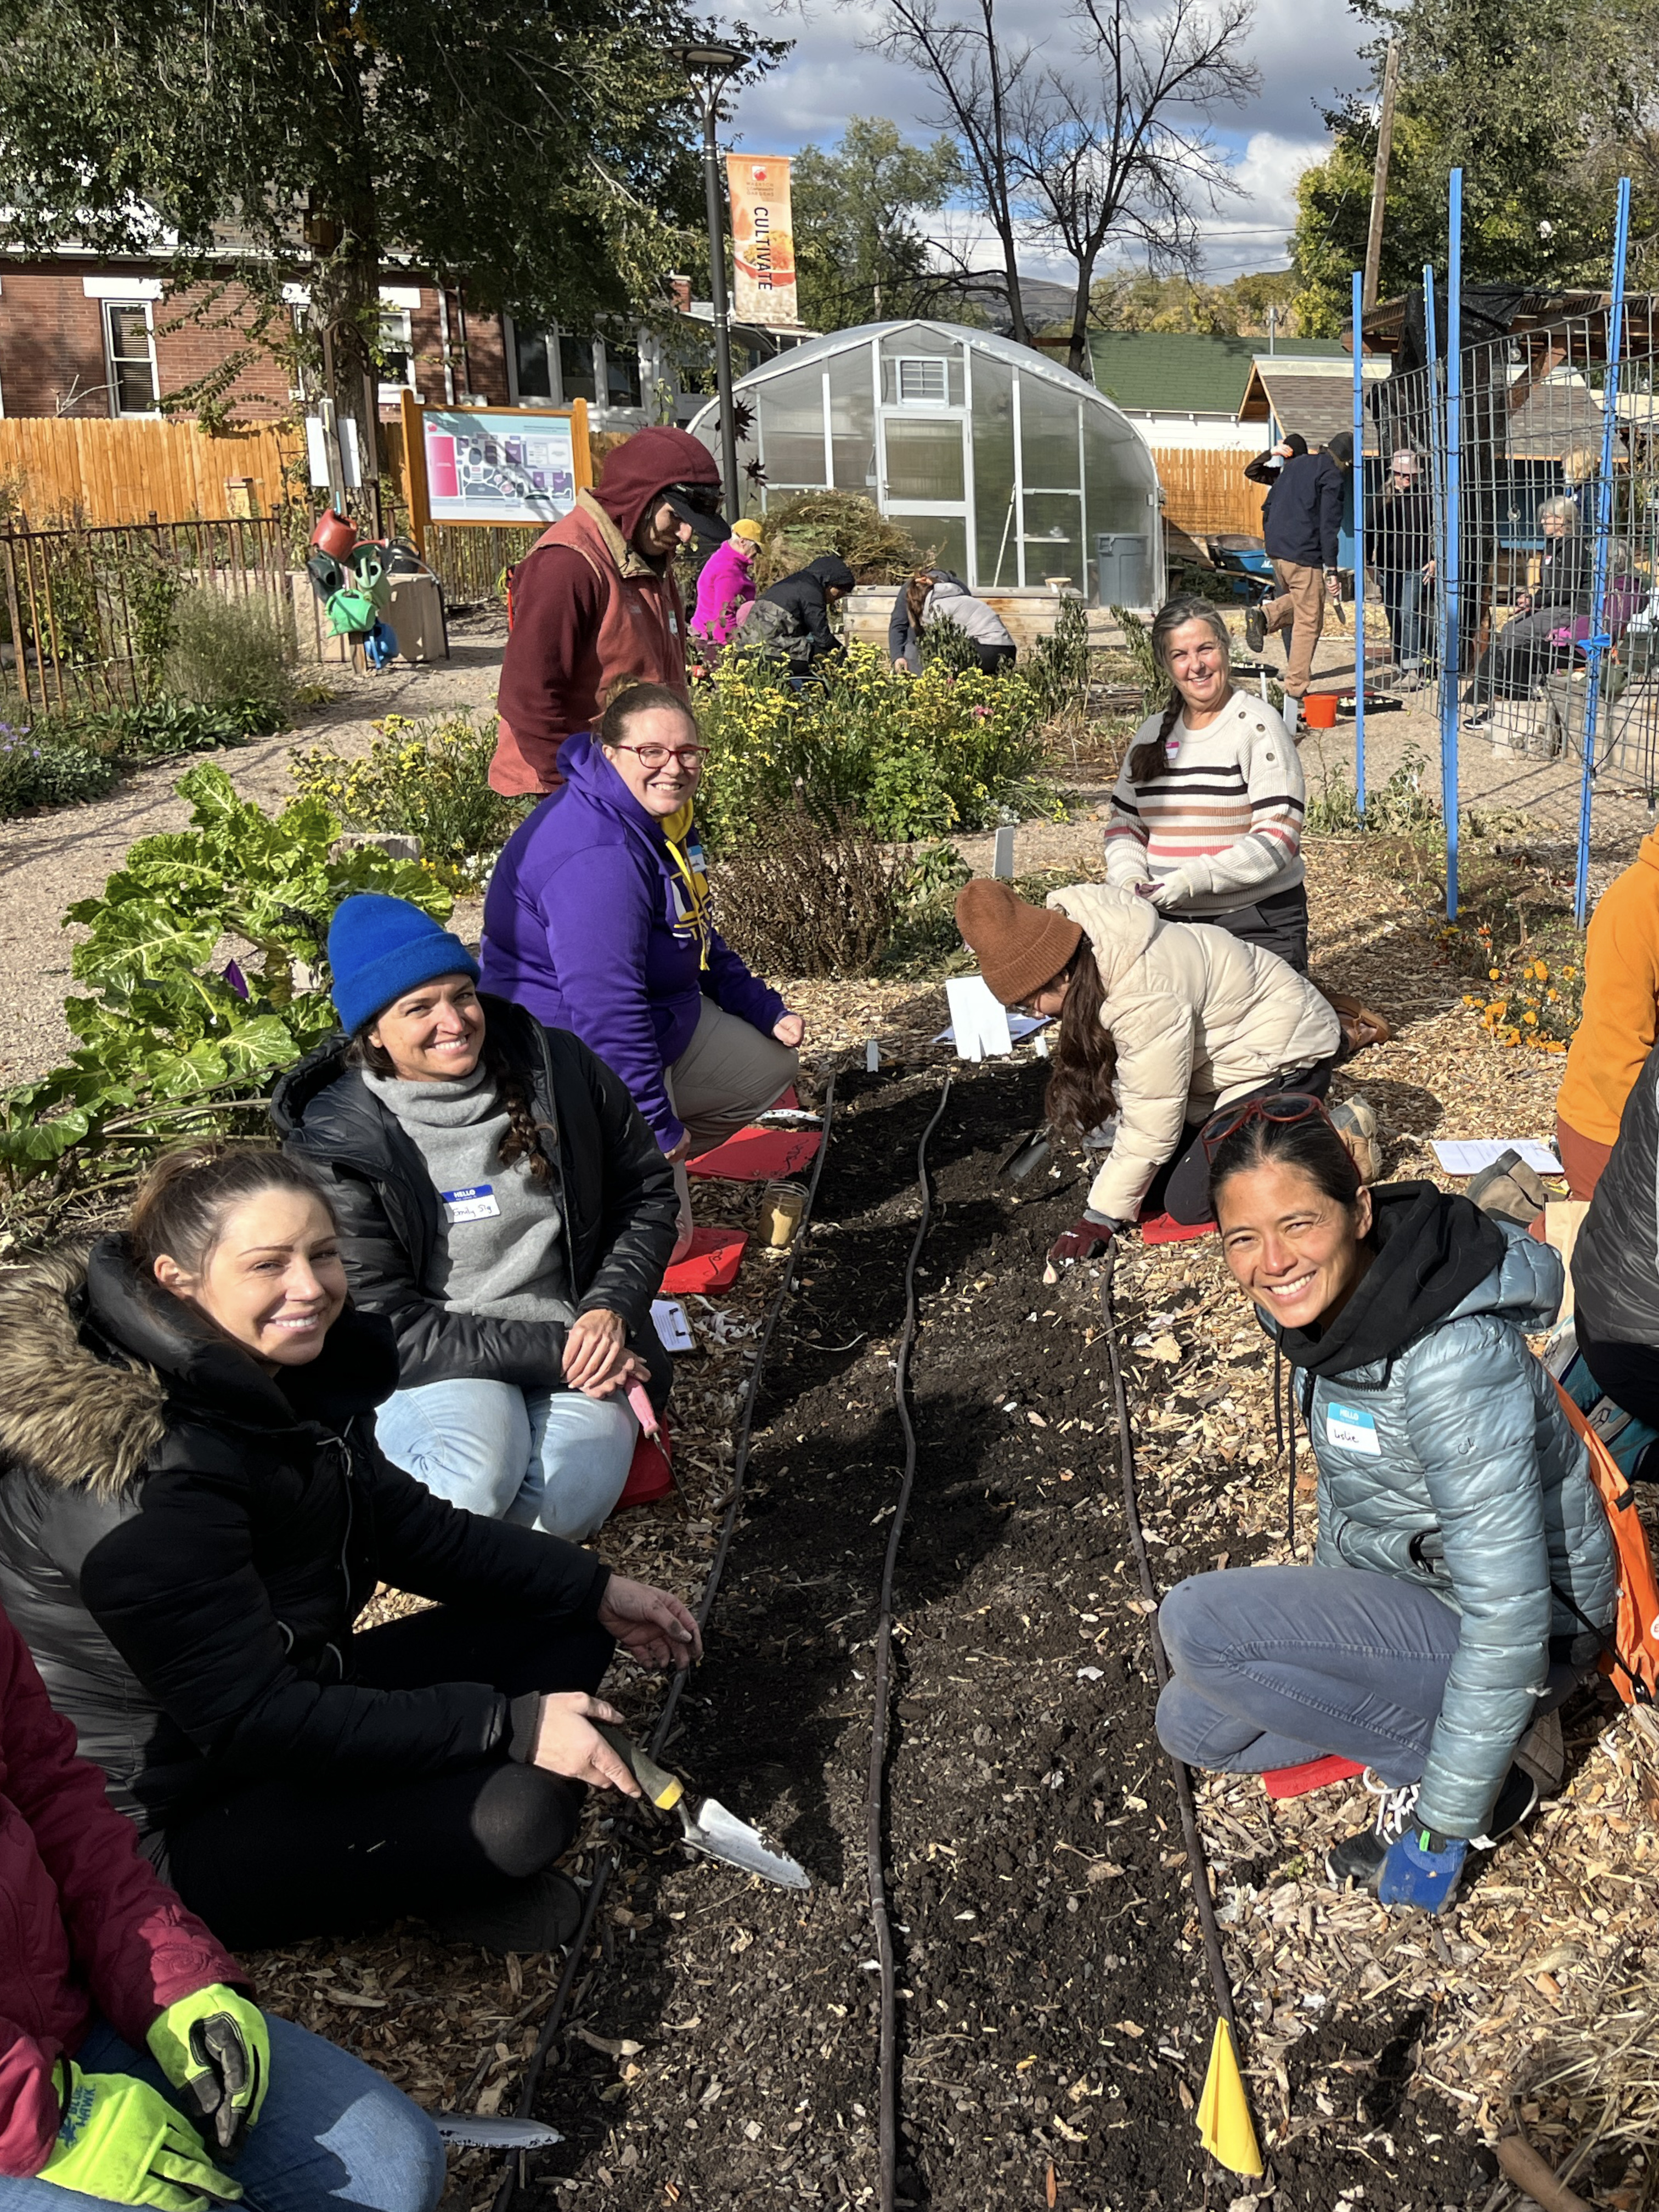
<point>1358,1858</point>
<point>540,1914</point>
<point>1514,1801</point>
<point>1256,628</point>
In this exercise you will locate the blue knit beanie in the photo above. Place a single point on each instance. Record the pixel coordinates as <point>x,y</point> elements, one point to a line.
<point>380,947</point>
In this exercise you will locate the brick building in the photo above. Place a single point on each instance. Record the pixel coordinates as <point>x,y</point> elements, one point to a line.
<point>86,337</point>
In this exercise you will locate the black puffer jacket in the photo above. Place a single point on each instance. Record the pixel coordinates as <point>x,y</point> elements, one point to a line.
<point>1615,1262</point>
<point>185,1542</point>
<point>614,1192</point>
<point>802,596</point>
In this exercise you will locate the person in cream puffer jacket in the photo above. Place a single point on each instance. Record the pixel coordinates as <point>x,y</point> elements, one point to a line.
<point>1161,1023</point>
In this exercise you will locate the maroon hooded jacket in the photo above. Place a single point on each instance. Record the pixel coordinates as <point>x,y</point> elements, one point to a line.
<point>589,613</point>
<point>84,1922</point>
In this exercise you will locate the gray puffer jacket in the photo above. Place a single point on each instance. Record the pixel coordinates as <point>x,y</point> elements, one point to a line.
<point>1448,1461</point>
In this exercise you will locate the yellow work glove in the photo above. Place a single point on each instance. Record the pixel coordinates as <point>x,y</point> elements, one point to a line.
<point>120,2140</point>
<point>214,2048</point>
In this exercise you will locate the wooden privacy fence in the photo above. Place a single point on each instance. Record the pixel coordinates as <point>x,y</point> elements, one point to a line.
<point>1205,491</point>
<point>86,612</point>
<point>59,469</point>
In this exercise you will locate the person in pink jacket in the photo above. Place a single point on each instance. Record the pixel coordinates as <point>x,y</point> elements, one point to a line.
<point>727,585</point>
<point>135,2068</point>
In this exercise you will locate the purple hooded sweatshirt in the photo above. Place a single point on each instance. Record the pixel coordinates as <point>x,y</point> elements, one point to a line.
<point>723,590</point>
<point>579,929</point>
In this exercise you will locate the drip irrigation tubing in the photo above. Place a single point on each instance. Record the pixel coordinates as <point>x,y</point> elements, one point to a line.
<point>1202,1902</point>
<point>514,2174</point>
<point>888,2088</point>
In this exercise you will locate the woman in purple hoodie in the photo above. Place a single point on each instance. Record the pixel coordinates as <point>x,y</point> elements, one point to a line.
<point>597,922</point>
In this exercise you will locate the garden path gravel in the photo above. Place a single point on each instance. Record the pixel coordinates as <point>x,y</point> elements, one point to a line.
<point>48,860</point>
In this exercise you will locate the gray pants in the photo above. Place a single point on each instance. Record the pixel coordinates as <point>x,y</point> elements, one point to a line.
<point>729,1072</point>
<point>1273,1666</point>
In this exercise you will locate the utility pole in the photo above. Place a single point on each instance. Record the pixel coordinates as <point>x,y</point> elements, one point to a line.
<point>710,68</point>
<point>1379,182</point>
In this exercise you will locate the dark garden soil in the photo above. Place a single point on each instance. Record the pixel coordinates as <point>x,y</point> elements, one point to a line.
<point>1055,2014</point>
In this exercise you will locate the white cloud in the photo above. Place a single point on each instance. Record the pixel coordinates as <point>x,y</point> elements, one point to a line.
<point>1307,51</point>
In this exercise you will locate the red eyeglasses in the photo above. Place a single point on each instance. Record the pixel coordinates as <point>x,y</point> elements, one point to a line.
<point>1281,1106</point>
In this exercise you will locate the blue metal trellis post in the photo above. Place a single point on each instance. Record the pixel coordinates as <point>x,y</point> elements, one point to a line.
<point>1597,645</point>
<point>1358,544</point>
<point>1451,566</point>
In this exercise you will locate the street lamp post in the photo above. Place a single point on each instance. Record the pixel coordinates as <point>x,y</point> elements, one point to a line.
<point>710,68</point>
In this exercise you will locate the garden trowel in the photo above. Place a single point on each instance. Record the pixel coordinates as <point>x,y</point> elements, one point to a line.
<point>705,1823</point>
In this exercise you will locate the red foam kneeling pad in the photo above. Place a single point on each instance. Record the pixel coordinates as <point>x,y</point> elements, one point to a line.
<point>650,1474</point>
<point>710,1265</point>
<point>1164,1229</point>
<point>1313,1774</point>
<point>754,1155</point>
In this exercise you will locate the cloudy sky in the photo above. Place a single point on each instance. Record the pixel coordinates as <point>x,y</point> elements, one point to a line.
<point>1306,51</point>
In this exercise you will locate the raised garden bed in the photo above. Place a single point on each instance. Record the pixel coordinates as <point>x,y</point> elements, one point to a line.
<point>1054,2013</point>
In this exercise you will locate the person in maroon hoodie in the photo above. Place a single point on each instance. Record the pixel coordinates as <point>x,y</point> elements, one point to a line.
<point>593,606</point>
<point>134,2067</point>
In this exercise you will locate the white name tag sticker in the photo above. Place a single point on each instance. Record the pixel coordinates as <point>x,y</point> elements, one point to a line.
<point>1351,1427</point>
<point>477,1202</point>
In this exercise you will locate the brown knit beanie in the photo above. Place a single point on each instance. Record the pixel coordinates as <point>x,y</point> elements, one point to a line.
<point>1020,947</point>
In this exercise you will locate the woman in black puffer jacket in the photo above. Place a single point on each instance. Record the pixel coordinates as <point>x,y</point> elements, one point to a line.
<point>193,1513</point>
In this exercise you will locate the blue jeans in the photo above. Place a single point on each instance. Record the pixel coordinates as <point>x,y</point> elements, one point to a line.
<point>1273,1666</point>
<point>1401,592</point>
<point>549,1458</point>
<point>333,2132</point>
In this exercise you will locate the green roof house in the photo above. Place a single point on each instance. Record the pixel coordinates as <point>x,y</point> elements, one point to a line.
<point>1183,389</point>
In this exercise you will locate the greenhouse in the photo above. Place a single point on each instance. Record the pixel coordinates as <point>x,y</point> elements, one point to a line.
<point>1015,471</point>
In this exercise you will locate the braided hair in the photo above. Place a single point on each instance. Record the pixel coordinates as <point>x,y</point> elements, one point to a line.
<point>1149,760</point>
<point>522,1138</point>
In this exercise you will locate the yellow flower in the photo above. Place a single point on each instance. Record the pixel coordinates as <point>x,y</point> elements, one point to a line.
<point>1530,1020</point>
<point>1494,973</point>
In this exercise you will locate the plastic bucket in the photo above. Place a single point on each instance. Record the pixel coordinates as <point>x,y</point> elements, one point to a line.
<point>1319,710</point>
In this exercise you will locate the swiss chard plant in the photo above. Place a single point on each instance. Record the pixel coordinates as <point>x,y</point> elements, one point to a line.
<point>174,1036</point>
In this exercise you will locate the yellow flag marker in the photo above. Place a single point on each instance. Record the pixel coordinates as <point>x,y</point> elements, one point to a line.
<point>1224,2126</point>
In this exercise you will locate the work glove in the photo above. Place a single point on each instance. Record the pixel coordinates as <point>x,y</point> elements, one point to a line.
<point>1414,1873</point>
<point>1085,1240</point>
<point>216,2048</point>
<point>121,2140</point>
<point>1181,884</point>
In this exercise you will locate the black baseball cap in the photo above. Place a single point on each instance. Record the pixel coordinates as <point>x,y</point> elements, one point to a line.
<point>699,504</point>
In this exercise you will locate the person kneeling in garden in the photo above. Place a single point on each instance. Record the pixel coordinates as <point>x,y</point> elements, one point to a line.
<point>193,1514</point>
<point>1464,1565</point>
<point>596,920</point>
<point>1156,1025</point>
<point>503,1206</point>
<point>134,2067</point>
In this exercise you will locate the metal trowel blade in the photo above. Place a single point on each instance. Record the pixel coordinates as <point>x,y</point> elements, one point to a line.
<point>486,2131</point>
<point>722,1836</point>
<point>1025,1154</point>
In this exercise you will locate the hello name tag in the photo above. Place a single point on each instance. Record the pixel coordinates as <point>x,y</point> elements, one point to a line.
<point>477,1202</point>
<point>1351,1427</point>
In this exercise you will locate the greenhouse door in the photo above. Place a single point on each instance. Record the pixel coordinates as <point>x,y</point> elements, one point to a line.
<point>926,474</point>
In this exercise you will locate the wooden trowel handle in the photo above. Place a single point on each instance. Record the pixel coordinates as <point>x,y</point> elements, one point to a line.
<point>663,1788</point>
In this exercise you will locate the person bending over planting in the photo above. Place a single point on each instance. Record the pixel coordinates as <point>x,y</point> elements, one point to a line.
<point>503,1206</point>
<point>1158,1024</point>
<point>193,1514</point>
<point>1464,1559</point>
<point>598,921</point>
<point>1206,816</point>
<point>135,2069</point>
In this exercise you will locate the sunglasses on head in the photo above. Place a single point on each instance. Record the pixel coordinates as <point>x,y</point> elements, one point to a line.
<point>705,498</point>
<point>1281,1106</point>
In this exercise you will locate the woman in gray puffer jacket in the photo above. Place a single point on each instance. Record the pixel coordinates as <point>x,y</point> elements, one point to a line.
<point>1464,1567</point>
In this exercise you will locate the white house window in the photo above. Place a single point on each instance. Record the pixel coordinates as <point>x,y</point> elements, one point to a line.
<point>923,381</point>
<point>397,351</point>
<point>577,379</point>
<point>129,357</point>
<point>553,368</point>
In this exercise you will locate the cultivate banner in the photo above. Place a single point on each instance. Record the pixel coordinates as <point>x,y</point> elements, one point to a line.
<point>763,243</point>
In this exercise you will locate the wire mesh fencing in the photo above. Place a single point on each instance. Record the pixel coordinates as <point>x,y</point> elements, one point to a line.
<point>1513,540</point>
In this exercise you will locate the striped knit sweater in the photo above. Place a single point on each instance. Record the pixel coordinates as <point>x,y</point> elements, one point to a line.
<point>1222,826</point>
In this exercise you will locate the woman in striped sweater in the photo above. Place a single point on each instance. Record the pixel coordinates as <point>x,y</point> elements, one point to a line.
<point>1206,817</point>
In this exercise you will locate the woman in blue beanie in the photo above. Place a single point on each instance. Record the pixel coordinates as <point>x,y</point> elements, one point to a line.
<point>598,920</point>
<point>503,1205</point>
